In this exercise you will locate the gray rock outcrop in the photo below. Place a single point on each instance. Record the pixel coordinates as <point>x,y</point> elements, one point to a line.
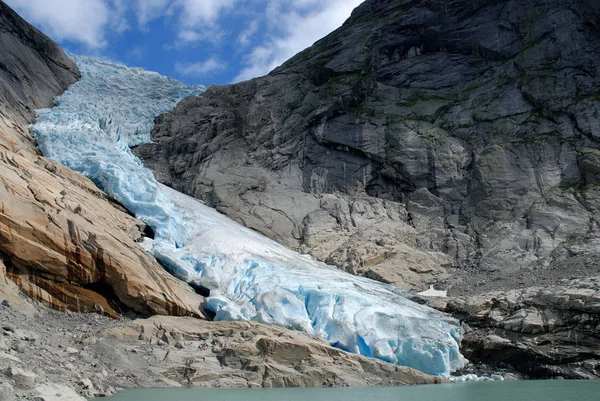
<point>542,332</point>
<point>421,139</point>
<point>33,70</point>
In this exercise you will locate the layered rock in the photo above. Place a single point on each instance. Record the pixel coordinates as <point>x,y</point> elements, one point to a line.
<point>65,244</point>
<point>198,353</point>
<point>418,136</point>
<point>90,354</point>
<point>63,241</point>
<point>542,332</point>
<point>11,294</point>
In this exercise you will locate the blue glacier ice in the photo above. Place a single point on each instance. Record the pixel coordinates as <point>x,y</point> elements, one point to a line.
<point>95,122</point>
<point>251,277</point>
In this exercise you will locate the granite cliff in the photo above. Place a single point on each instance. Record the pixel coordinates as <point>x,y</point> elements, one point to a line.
<point>424,141</point>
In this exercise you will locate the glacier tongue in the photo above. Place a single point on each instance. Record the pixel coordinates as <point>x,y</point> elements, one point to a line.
<point>250,276</point>
<point>258,279</point>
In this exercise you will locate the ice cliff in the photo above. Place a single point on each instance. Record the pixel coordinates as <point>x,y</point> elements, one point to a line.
<point>251,277</point>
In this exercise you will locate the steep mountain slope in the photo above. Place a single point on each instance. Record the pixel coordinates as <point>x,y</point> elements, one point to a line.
<point>245,276</point>
<point>63,241</point>
<point>329,153</point>
<point>421,135</point>
<point>33,70</point>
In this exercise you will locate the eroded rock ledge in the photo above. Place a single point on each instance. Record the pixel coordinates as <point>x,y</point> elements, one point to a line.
<point>248,354</point>
<point>92,355</point>
<point>542,332</point>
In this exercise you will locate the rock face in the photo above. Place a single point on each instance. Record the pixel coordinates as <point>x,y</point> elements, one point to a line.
<point>421,135</point>
<point>66,245</point>
<point>10,294</point>
<point>63,241</point>
<point>198,353</point>
<point>543,332</point>
<point>33,70</point>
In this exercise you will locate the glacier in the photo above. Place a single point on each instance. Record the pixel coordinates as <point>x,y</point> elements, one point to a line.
<point>97,120</point>
<point>250,277</point>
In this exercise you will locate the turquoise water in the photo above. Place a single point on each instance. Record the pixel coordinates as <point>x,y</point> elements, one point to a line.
<point>557,390</point>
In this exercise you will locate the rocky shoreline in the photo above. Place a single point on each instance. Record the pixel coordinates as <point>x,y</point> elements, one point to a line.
<point>540,332</point>
<point>532,333</point>
<point>45,352</point>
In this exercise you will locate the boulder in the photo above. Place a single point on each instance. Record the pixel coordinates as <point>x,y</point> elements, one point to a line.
<point>55,392</point>
<point>23,379</point>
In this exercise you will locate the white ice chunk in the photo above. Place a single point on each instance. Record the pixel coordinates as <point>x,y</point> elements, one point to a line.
<point>474,378</point>
<point>432,292</point>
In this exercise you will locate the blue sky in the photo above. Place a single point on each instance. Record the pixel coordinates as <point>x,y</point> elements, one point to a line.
<point>196,41</point>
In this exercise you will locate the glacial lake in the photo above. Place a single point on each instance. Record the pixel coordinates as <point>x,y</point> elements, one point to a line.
<point>555,390</point>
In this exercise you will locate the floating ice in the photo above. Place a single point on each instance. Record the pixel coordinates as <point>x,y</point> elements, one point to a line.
<point>250,276</point>
<point>471,377</point>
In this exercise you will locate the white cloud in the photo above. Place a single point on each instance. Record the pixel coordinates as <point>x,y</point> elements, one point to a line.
<point>266,32</point>
<point>148,10</point>
<point>246,35</point>
<point>118,15</point>
<point>202,12</point>
<point>196,20</point>
<point>84,22</point>
<point>300,23</point>
<point>188,35</point>
<point>283,27</point>
<point>200,69</point>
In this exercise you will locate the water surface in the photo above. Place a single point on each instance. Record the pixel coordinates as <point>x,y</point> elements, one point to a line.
<point>556,390</point>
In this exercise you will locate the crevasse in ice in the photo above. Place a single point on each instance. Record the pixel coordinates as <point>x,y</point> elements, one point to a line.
<point>251,277</point>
